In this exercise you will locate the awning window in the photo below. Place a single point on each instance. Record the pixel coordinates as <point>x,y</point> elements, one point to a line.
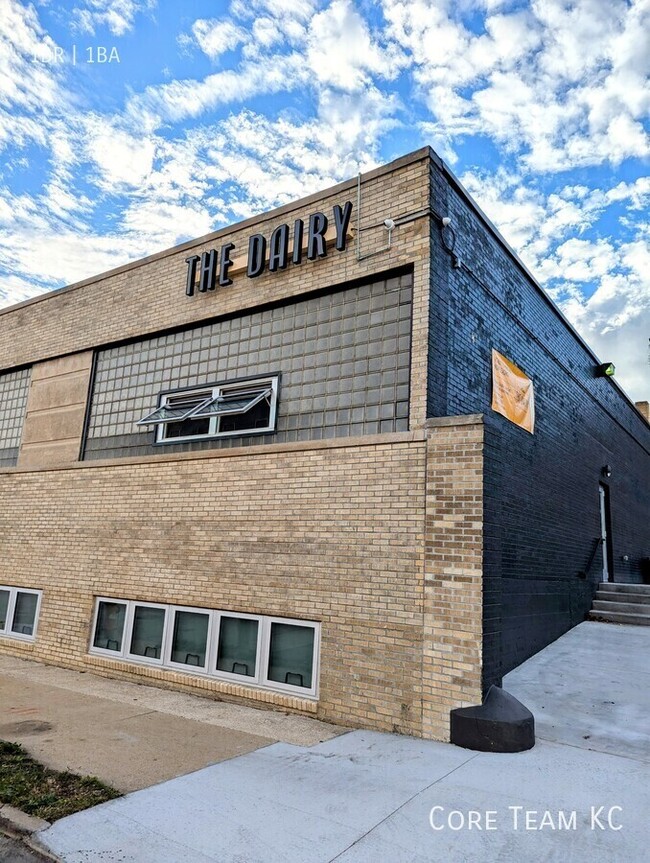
<point>176,409</point>
<point>231,403</point>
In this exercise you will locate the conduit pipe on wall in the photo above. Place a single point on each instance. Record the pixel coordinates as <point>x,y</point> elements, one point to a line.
<point>388,223</point>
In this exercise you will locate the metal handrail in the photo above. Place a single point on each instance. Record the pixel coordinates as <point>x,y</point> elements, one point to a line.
<point>599,540</point>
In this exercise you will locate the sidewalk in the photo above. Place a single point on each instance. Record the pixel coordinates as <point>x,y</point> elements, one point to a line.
<point>132,736</point>
<point>582,794</point>
<point>367,797</point>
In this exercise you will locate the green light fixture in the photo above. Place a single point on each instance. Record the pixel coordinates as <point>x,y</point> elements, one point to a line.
<point>606,370</point>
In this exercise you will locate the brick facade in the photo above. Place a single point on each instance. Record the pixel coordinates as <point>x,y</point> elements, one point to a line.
<point>398,513</point>
<point>541,493</point>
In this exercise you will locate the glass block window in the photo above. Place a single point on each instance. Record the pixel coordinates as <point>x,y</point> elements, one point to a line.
<point>343,360</point>
<point>14,389</point>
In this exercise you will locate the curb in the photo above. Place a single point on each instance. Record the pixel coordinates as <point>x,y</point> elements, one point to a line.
<point>19,825</point>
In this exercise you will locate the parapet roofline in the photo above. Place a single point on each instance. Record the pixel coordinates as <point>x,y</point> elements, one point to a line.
<point>454,181</point>
<point>346,185</point>
<point>266,216</point>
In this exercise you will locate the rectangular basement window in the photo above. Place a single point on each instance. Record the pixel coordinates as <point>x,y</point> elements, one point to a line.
<point>19,610</point>
<point>292,655</point>
<point>147,632</point>
<point>272,653</point>
<point>246,407</point>
<point>190,638</point>
<point>110,618</point>
<point>238,646</point>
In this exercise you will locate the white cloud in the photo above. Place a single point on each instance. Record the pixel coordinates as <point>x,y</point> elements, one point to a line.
<point>123,159</point>
<point>638,193</point>
<point>215,37</point>
<point>183,99</point>
<point>602,284</point>
<point>563,84</point>
<point>118,15</point>
<point>29,81</point>
<point>271,162</point>
<point>341,52</point>
<point>160,224</point>
<point>629,349</point>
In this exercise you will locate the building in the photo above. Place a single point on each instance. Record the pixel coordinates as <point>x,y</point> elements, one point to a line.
<point>345,458</point>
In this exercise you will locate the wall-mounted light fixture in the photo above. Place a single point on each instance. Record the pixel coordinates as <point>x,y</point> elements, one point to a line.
<point>605,370</point>
<point>606,471</point>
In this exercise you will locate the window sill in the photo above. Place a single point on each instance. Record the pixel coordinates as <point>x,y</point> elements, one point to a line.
<point>15,640</point>
<point>205,683</point>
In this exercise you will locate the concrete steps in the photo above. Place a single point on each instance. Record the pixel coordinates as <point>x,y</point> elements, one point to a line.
<point>622,603</point>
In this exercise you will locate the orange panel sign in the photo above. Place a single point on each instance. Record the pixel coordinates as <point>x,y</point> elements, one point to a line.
<point>512,393</point>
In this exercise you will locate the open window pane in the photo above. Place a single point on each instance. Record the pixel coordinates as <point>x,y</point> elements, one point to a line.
<point>291,654</point>
<point>175,409</point>
<point>109,628</point>
<point>237,651</point>
<point>146,638</point>
<point>4,604</point>
<point>187,428</point>
<point>258,417</point>
<point>232,403</point>
<point>24,613</point>
<point>190,638</point>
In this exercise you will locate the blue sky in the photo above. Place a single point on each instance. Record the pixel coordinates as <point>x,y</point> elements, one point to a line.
<point>203,113</point>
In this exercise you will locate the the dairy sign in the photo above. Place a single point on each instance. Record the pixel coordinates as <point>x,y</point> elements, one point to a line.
<point>306,238</point>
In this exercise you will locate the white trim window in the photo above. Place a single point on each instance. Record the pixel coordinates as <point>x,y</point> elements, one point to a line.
<point>222,410</point>
<point>19,610</point>
<point>190,638</point>
<point>270,652</point>
<point>290,657</point>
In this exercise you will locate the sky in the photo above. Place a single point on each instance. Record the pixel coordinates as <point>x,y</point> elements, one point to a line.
<point>128,126</point>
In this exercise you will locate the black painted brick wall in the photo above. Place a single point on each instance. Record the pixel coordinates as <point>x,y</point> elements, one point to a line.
<point>542,490</point>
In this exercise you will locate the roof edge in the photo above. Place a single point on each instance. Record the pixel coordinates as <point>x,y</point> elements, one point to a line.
<point>454,181</point>
<point>268,215</point>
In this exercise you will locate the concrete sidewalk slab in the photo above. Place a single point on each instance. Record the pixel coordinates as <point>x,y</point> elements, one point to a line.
<point>127,735</point>
<point>548,779</point>
<point>125,746</point>
<point>283,804</point>
<point>591,689</point>
<point>364,796</point>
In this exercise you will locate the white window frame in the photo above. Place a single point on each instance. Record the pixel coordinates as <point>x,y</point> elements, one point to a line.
<point>260,680</point>
<point>208,394</point>
<point>229,675</point>
<point>194,669</point>
<point>128,626</point>
<point>104,651</point>
<point>287,687</point>
<point>11,607</point>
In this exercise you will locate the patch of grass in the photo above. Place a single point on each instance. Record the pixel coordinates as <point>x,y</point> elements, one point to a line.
<point>48,794</point>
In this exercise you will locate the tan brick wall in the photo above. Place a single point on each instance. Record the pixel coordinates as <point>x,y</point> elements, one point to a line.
<point>453,577</point>
<point>345,533</point>
<point>331,533</point>
<point>644,409</point>
<point>378,538</point>
<point>150,296</point>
